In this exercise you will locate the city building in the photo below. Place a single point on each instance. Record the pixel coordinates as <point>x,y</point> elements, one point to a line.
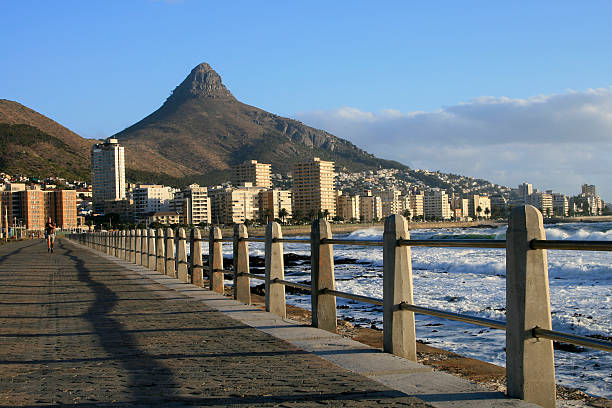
<point>436,205</point>
<point>163,217</point>
<point>124,208</point>
<point>560,204</point>
<point>313,188</point>
<point>234,205</point>
<point>258,174</point>
<point>192,203</point>
<point>370,207</point>
<point>347,207</point>
<point>460,207</point>
<point>151,198</point>
<point>589,190</point>
<point>475,202</point>
<point>29,209</point>
<point>273,202</point>
<point>543,202</point>
<point>107,173</point>
<point>525,191</point>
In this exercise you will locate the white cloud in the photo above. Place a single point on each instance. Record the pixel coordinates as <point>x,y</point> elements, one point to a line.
<point>554,141</point>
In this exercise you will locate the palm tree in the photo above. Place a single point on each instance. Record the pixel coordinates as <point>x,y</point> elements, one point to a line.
<point>325,213</point>
<point>487,212</point>
<point>268,214</point>
<point>478,210</point>
<point>282,214</point>
<point>406,213</point>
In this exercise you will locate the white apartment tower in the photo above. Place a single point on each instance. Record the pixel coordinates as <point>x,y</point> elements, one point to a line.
<point>313,188</point>
<point>107,172</point>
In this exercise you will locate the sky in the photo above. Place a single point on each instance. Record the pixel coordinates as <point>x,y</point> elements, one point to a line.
<point>507,91</point>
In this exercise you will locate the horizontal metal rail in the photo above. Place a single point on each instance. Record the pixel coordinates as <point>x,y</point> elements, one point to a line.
<point>572,339</point>
<point>479,321</point>
<point>292,284</point>
<point>362,242</point>
<point>454,243</point>
<point>365,299</point>
<point>570,245</point>
<point>253,239</point>
<point>292,240</point>
<point>223,240</point>
<point>252,275</point>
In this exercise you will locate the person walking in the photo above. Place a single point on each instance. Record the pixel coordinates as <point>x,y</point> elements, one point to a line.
<point>50,233</point>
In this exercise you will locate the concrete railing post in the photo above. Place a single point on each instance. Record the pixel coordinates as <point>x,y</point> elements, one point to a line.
<point>126,245</point>
<point>122,244</point>
<point>322,277</point>
<point>151,262</point>
<point>116,244</point>
<point>530,364</point>
<point>137,247</point>
<point>197,268</point>
<point>144,248</point>
<point>106,240</point>
<point>132,246</point>
<point>242,283</point>
<point>275,269</point>
<point>182,270</point>
<point>399,335</point>
<point>160,252</point>
<point>215,259</point>
<point>170,258</point>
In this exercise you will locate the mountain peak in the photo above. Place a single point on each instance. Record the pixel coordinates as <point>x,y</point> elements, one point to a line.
<point>202,82</point>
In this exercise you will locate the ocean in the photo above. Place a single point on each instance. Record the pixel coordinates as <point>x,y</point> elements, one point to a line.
<point>472,281</point>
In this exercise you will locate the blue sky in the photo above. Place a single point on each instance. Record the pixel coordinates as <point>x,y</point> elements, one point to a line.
<point>100,66</point>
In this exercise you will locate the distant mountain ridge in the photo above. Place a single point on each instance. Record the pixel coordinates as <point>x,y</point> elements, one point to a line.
<point>34,145</point>
<point>202,130</point>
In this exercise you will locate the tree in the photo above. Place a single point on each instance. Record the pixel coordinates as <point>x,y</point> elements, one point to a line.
<point>297,215</point>
<point>487,212</point>
<point>282,214</point>
<point>325,213</point>
<point>478,211</point>
<point>406,213</point>
<point>268,214</point>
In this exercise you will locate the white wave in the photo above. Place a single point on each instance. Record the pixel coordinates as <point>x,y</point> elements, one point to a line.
<point>582,234</point>
<point>366,234</point>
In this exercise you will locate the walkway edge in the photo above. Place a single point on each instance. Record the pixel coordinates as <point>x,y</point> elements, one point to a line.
<point>413,379</point>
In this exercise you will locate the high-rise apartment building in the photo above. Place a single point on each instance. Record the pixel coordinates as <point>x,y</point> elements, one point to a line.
<point>192,204</point>
<point>107,173</point>
<point>525,191</point>
<point>370,207</point>
<point>589,190</point>
<point>313,188</point>
<point>30,208</point>
<point>436,205</point>
<point>347,207</point>
<point>273,201</point>
<point>543,202</point>
<point>235,205</point>
<point>258,174</point>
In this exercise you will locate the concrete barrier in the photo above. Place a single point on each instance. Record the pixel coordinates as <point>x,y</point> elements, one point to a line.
<point>242,283</point>
<point>275,269</point>
<point>215,260</point>
<point>324,315</point>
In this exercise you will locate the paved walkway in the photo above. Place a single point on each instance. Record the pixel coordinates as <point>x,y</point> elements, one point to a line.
<point>77,328</point>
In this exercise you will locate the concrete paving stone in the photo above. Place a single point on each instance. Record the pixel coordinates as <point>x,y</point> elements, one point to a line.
<point>78,329</point>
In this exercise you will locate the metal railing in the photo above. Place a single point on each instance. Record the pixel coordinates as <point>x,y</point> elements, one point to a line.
<point>527,308</point>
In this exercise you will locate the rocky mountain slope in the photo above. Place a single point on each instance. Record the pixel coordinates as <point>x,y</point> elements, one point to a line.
<point>202,130</point>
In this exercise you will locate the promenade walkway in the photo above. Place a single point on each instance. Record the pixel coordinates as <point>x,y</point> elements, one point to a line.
<point>76,328</point>
<point>81,328</point>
